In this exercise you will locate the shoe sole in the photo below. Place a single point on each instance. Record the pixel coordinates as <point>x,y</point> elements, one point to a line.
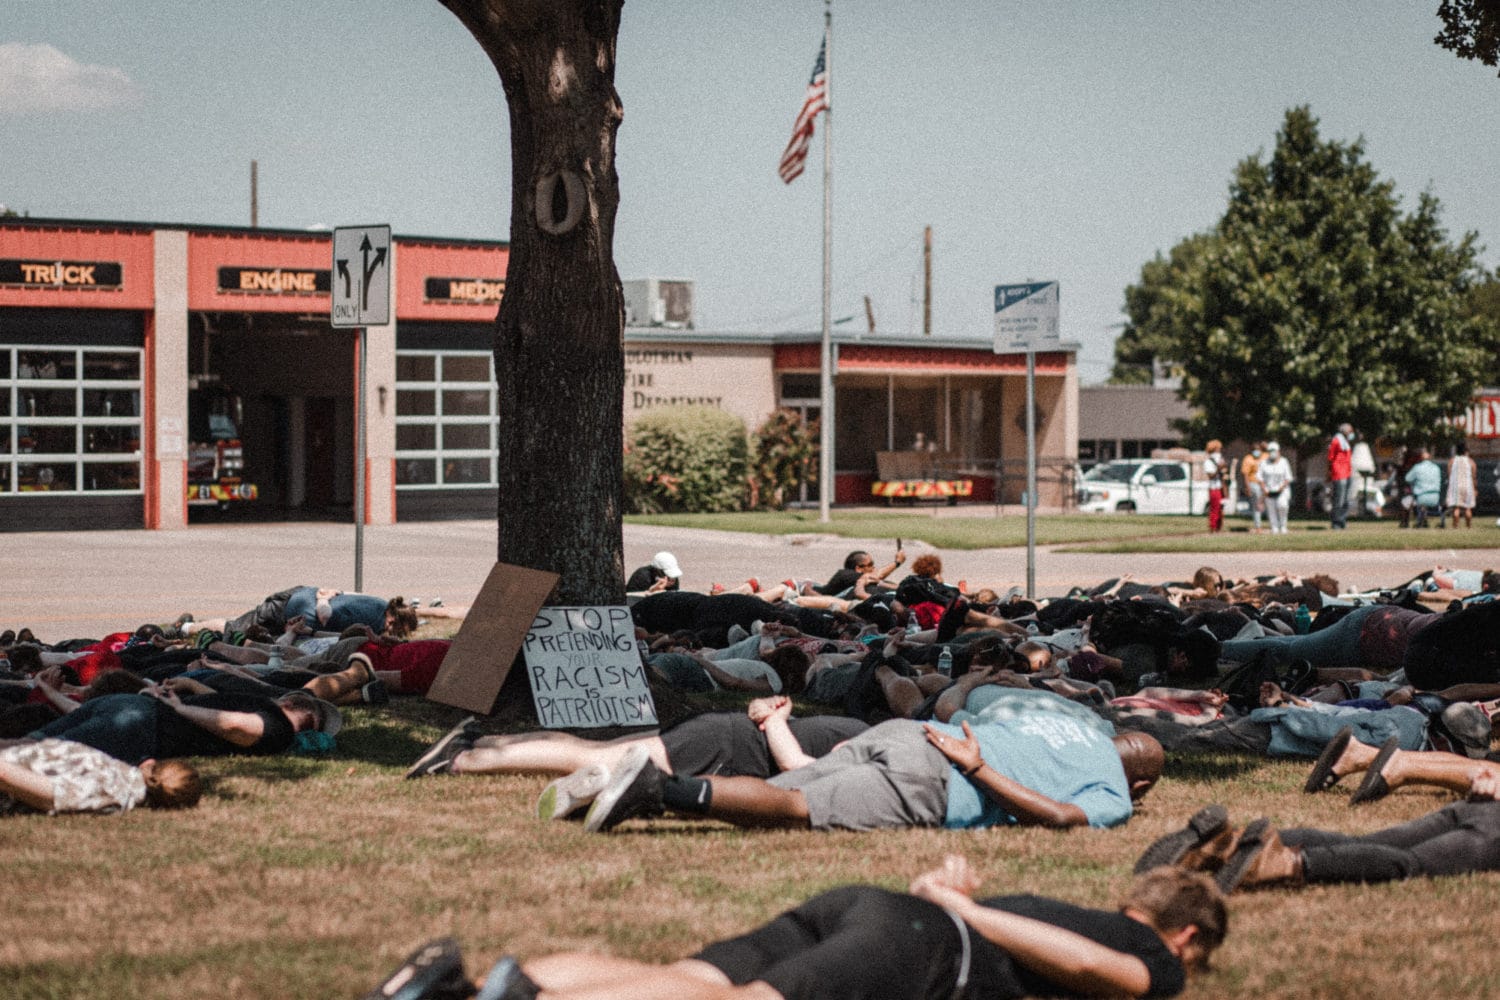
<point>1251,843</point>
<point>620,779</point>
<point>435,751</point>
<point>570,793</point>
<point>1322,778</point>
<point>1375,786</point>
<point>1204,825</point>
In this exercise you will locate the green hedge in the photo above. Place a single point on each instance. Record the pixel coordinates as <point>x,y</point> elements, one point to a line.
<point>686,459</point>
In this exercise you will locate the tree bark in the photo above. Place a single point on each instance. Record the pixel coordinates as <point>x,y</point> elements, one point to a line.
<point>559,361</point>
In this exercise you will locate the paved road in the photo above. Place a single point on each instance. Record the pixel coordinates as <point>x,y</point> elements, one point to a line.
<point>91,583</point>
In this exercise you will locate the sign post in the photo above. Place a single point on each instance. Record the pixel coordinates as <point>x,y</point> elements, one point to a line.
<point>360,297</point>
<point>1026,320</point>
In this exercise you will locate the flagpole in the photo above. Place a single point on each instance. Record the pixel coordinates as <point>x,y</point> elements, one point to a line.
<point>826,419</point>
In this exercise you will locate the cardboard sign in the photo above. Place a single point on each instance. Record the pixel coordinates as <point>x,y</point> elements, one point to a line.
<point>585,671</point>
<point>497,623</point>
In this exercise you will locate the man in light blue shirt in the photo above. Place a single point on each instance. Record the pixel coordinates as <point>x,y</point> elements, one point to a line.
<point>1426,482</point>
<point>1042,769</point>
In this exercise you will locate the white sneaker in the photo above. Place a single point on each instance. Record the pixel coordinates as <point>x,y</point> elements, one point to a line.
<point>572,792</point>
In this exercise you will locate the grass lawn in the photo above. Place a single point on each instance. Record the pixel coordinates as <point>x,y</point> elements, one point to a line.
<point>312,877</point>
<point>1088,532</point>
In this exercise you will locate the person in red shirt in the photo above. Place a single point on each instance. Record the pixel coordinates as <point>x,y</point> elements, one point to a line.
<point>1340,474</point>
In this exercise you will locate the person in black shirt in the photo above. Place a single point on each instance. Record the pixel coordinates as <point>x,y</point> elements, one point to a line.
<point>867,943</point>
<point>859,572</point>
<point>159,723</point>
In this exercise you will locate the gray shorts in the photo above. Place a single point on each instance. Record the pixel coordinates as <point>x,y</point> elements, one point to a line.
<point>887,776</point>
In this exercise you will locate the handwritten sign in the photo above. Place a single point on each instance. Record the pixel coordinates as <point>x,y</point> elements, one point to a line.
<point>585,671</point>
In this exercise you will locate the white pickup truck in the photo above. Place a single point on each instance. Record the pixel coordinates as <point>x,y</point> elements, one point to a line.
<point>1144,486</point>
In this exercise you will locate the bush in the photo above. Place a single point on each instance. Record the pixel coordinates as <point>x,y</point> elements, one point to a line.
<point>686,459</point>
<point>786,451</point>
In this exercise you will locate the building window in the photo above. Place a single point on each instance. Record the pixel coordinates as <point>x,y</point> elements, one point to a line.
<point>445,419</point>
<point>70,420</point>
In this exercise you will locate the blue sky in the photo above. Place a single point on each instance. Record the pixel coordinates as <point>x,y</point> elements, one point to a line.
<point>1066,140</point>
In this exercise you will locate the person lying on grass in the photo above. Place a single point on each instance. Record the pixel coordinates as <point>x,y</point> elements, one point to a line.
<point>1459,838</point>
<point>61,776</point>
<point>759,742</point>
<point>862,942</point>
<point>160,723</point>
<point>1045,770</point>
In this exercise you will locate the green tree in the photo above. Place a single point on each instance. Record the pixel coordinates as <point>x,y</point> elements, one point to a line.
<point>1319,301</point>
<point>1157,308</point>
<point>1471,29</point>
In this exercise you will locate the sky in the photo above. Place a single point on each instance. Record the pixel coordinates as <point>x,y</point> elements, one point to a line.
<point>1070,140</point>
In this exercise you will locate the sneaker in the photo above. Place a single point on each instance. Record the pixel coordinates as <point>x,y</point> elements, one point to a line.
<point>506,981</point>
<point>439,757</point>
<point>571,793</point>
<point>434,970</point>
<point>634,789</point>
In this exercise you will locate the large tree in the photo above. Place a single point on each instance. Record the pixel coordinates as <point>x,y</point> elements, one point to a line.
<point>1165,300</point>
<point>1317,300</point>
<point>559,362</point>
<point>1471,29</point>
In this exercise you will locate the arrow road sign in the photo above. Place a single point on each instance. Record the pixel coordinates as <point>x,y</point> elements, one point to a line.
<point>361,265</point>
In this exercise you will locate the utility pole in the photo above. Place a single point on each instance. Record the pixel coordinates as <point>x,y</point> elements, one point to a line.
<point>927,282</point>
<point>254,197</point>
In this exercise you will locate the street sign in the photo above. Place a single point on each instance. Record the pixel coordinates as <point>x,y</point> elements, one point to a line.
<point>1026,317</point>
<point>361,276</point>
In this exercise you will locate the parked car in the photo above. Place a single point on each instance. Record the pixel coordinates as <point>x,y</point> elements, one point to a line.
<point>1144,486</point>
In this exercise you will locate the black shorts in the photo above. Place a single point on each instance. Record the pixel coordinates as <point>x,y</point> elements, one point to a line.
<point>852,943</point>
<point>729,744</point>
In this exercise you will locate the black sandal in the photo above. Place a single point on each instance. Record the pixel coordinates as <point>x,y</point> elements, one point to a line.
<point>1322,777</point>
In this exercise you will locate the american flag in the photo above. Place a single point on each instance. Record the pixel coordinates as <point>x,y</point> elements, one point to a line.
<point>816,100</point>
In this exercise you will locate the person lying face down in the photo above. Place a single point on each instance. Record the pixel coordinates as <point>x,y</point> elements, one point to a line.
<point>61,776</point>
<point>1053,772</point>
<point>860,942</point>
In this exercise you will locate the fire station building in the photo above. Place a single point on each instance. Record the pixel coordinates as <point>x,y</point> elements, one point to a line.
<point>152,375</point>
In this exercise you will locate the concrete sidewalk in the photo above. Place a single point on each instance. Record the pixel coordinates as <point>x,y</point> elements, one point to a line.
<point>65,585</point>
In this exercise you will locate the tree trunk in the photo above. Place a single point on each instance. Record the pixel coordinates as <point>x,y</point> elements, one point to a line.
<point>559,359</point>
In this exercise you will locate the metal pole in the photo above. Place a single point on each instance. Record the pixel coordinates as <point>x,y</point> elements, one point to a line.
<point>359,463</point>
<point>1030,475</point>
<point>826,420</point>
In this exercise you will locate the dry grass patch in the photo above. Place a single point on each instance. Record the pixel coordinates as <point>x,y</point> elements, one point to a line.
<point>312,877</point>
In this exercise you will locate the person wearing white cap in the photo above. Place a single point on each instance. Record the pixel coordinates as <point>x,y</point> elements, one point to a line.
<point>661,573</point>
<point>1275,477</point>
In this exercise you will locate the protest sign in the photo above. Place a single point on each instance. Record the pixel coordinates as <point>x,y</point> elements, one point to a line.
<point>480,657</point>
<point>584,669</point>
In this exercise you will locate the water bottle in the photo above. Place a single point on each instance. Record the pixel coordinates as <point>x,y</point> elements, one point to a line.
<point>1303,619</point>
<point>274,659</point>
<point>945,662</point>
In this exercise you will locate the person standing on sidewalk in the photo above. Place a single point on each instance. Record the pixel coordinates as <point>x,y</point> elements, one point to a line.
<point>1341,474</point>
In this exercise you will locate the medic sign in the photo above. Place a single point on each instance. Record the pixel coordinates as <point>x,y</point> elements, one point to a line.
<point>470,290</point>
<point>61,273</point>
<point>1482,420</point>
<point>274,281</point>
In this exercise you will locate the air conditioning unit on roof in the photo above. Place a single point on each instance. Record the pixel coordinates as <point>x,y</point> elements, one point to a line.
<point>664,302</point>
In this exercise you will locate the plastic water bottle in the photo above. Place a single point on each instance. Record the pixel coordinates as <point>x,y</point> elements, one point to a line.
<point>945,662</point>
<point>273,659</point>
<point>1303,619</point>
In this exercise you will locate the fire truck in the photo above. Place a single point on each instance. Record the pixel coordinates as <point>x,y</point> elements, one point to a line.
<point>216,459</point>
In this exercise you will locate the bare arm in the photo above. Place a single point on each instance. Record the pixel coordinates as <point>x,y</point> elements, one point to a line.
<point>26,786</point>
<point>1029,807</point>
<point>773,716</point>
<point>728,681</point>
<point>1080,965</point>
<point>242,729</point>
